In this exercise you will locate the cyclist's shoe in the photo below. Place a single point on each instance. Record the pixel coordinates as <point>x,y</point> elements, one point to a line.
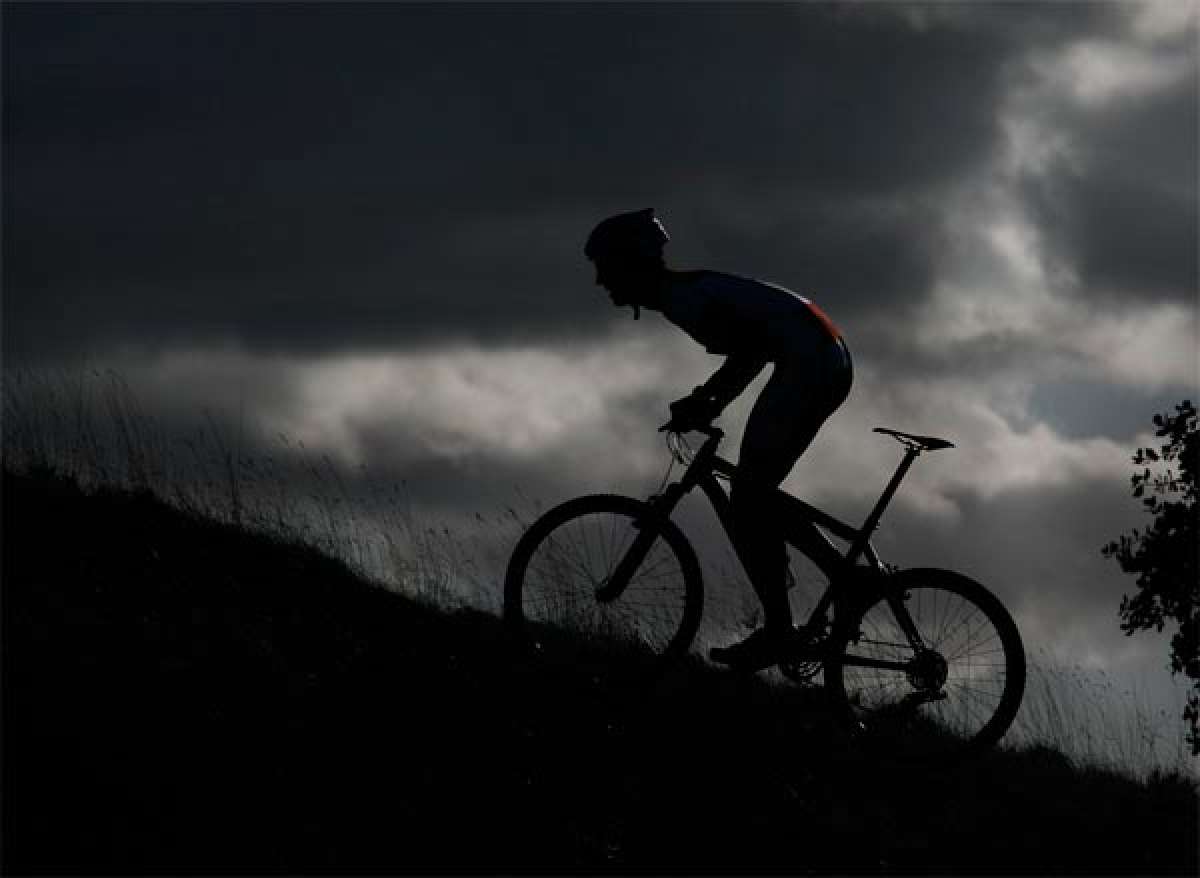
<point>763,648</point>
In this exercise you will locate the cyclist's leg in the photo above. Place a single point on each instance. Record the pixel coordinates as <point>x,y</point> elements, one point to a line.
<point>838,370</point>
<point>786,417</point>
<point>777,432</point>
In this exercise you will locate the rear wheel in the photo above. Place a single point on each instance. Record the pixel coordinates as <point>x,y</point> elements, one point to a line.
<point>558,598</point>
<point>955,689</point>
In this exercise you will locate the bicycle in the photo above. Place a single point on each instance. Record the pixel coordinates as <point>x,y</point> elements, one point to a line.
<point>900,651</point>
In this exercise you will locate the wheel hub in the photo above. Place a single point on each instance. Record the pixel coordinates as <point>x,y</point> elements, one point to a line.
<point>928,671</point>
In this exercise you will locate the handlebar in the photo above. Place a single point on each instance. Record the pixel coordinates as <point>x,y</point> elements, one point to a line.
<point>709,430</point>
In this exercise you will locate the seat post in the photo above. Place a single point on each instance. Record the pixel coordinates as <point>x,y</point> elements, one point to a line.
<point>864,535</point>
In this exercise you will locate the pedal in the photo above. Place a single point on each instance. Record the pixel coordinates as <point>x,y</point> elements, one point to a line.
<point>800,671</point>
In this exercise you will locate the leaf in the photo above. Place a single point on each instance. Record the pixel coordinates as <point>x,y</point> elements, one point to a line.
<point>1162,557</point>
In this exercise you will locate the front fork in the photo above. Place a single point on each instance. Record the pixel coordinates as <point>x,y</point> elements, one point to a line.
<point>660,507</point>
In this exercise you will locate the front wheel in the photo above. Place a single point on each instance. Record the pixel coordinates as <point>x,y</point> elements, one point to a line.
<point>930,664</point>
<point>602,583</point>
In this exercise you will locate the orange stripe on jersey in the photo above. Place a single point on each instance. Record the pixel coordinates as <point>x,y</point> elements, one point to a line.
<point>822,318</point>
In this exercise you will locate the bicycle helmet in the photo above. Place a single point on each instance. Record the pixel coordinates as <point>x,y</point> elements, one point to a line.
<point>637,234</point>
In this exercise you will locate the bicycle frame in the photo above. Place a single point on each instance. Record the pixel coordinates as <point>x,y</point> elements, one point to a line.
<point>704,472</point>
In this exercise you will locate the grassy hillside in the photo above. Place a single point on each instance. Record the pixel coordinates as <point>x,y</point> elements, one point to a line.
<point>184,696</point>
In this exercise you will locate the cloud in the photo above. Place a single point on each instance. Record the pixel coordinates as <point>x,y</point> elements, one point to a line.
<point>1164,20</point>
<point>1095,73</point>
<point>1105,158</point>
<point>573,408</point>
<point>1068,259</point>
<point>425,175</point>
<point>408,176</point>
<point>588,415</point>
<point>1001,447</point>
<point>457,403</point>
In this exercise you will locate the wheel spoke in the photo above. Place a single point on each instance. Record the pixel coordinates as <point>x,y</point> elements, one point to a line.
<point>968,682</point>
<point>573,551</point>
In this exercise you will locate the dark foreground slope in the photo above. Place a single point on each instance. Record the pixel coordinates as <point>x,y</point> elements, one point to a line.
<point>180,696</point>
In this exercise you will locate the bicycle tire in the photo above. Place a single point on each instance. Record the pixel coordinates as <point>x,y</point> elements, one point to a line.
<point>550,604</point>
<point>981,683</point>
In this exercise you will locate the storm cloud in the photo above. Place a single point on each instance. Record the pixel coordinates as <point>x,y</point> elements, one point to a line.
<point>312,178</point>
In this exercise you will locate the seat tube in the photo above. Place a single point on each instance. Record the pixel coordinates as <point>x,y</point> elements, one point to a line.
<point>864,535</point>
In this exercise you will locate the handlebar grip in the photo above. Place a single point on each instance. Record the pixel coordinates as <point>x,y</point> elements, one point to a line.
<point>708,430</point>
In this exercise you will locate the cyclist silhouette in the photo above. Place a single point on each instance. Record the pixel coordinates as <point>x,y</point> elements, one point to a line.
<point>752,323</point>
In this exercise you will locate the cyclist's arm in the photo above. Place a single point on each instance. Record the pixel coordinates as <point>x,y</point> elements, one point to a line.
<point>732,378</point>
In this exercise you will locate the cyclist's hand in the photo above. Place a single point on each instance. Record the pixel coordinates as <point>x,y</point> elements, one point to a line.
<point>692,412</point>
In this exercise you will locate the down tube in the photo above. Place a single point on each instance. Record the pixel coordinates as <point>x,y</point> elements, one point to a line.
<point>719,500</point>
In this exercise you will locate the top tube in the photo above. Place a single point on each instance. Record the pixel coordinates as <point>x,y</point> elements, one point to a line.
<point>858,537</point>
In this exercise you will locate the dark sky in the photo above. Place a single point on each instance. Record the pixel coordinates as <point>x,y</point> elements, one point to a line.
<point>361,226</point>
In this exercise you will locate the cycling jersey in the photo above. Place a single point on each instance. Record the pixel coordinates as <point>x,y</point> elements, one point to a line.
<point>752,322</point>
<point>736,315</point>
